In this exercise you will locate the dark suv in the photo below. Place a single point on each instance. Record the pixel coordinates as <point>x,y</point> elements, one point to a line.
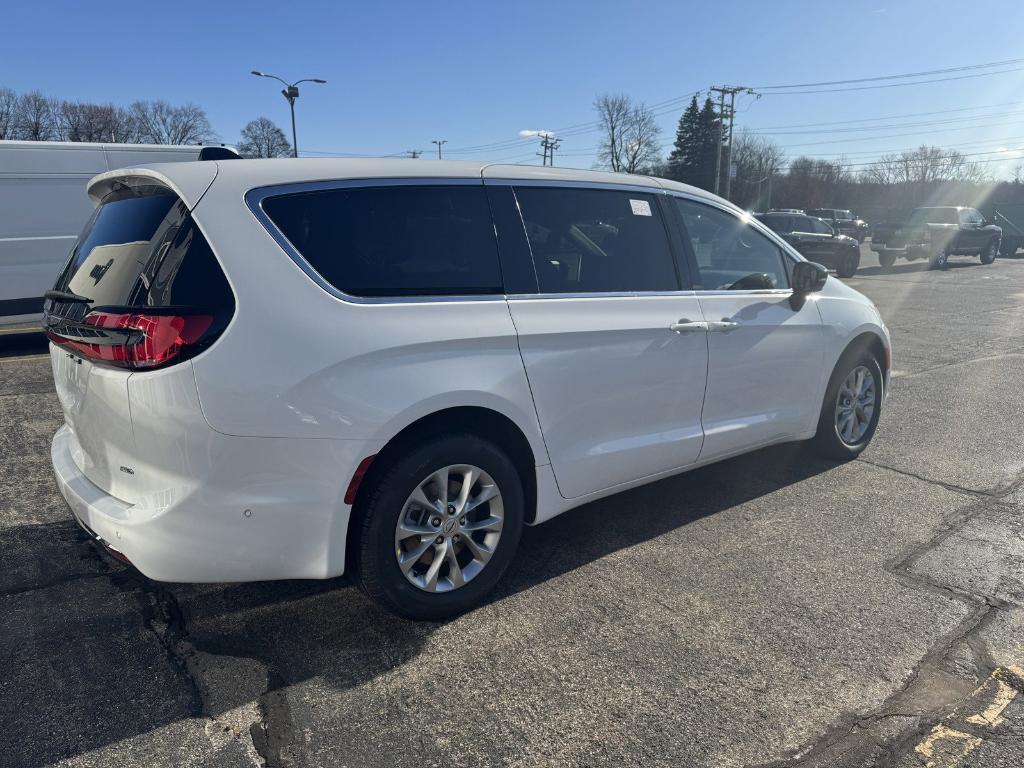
<point>843,221</point>
<point>816,240</point>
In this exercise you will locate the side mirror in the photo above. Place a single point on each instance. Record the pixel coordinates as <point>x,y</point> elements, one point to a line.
<point>808,277</point>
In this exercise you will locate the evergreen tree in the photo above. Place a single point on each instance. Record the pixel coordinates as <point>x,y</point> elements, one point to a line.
<point>708,153</point>
<point>695,151</point>
<point>683,162</point>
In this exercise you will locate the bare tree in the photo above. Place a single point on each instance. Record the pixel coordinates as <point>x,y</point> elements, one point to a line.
<point>261,138</point>
<point>82,121</point>
<point>162,123</point>
<point>757,159</point>
<point>631,133</point>
<point>34,119</point>
<point>923,165</point>
<point>8,113</point>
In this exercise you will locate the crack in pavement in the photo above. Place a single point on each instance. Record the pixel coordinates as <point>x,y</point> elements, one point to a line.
<point>928,695</point>
<point>163,617</point>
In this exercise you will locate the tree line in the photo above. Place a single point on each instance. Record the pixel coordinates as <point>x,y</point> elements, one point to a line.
<point>764,177</point>
<point>33,116</point>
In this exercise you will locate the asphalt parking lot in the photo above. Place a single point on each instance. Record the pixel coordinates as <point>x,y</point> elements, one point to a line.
<point>773,610</point>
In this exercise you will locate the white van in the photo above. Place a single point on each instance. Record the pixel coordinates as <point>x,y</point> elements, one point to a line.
<point>44,205</point>
<point>298,368</point>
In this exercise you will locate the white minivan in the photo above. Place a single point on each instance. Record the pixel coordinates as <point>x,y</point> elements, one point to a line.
<point>276,369</point>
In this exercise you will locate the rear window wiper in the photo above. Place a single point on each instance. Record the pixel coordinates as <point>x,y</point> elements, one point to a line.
<point>67,296</point>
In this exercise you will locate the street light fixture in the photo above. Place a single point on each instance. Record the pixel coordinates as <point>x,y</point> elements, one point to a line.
<point>291,92</point>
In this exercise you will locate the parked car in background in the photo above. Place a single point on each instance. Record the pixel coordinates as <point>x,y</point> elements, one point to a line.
<point>441,353</point>
<point>816,240</point>
<point>843,221</point>
<point>785,210</point>
<point>936,233</point>
<point>1011,220</point>
<point>44,205</point>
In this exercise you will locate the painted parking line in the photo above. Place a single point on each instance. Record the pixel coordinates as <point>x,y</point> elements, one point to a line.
<point>949,742</point>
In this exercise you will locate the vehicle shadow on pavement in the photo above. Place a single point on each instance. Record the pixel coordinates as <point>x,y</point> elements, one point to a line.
<point>913,267</point>
<point>140,657</point>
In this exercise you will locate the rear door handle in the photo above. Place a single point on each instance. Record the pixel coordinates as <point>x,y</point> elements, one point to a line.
<point>687,326</point>
<point>724,325</point>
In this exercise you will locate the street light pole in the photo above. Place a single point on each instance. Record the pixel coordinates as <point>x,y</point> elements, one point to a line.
<point>291,93</point>
<point>439,143</point>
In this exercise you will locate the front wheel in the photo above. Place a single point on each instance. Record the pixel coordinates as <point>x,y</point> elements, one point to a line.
<point>886,260</point>
<point>441,527</point>
<point>853,402</point>
<point>990,252</point>
<point>848,264</point>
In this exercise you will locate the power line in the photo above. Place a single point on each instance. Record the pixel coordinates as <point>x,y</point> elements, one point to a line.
<point>890,117</point>
<point>895,85</point>
<point>926,73</point>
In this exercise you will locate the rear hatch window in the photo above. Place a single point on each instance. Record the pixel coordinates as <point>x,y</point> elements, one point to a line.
<point>142,287</point>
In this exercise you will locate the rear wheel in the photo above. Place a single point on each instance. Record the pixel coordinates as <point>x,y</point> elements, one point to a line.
<point>848,263</point>
<point>886,260</point>
<point>939,260</point>
<point>853,400</point>
<point>441,527</point>
<point>990,252</point>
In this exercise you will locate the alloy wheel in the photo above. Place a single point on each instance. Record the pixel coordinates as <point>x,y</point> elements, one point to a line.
<point>855,405</point>
<point>449,528</point>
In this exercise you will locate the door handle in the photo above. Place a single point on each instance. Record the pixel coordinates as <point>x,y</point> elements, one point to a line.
<point>724,325</point>
<point>685,326</point>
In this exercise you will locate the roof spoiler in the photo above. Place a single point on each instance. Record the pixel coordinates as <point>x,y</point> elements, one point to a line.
<point>219,153</point>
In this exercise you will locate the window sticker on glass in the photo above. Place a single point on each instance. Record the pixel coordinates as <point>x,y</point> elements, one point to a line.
<point>640,207</point>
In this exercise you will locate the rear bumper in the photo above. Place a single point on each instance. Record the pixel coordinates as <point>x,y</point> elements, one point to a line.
<point>906,251</point>
<point>227,531</point>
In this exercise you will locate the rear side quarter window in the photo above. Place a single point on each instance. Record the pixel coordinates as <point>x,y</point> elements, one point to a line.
<point>394,240</point>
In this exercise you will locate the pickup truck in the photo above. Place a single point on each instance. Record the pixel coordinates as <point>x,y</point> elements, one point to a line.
<point>936,233</point>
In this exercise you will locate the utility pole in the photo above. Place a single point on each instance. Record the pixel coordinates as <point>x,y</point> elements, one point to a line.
<point>439,143</point>
<point>414,153</point>
<point>548,145</point>
<point>723,112</point>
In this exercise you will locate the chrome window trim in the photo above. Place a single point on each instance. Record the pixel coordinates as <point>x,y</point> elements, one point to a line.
<point>574,184</point>
<point>254,201</point>
<point>600,295</point>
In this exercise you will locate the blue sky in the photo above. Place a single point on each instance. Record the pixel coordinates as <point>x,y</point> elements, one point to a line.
<point>403,73</point>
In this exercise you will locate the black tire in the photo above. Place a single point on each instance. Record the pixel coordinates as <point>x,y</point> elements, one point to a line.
<point>991,251</point>
<point>827,440</point>
<point>377,567</point>
<point>887,260</point>
<point>939,260</point>
<point>848,263</point>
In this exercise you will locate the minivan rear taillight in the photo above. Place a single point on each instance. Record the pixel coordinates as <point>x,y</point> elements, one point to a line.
<point>134,340</point>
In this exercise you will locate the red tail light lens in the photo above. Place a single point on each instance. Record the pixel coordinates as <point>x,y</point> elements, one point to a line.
<point>134,340</point>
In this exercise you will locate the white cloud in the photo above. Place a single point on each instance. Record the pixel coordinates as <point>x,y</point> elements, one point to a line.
<point>531,134</point>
